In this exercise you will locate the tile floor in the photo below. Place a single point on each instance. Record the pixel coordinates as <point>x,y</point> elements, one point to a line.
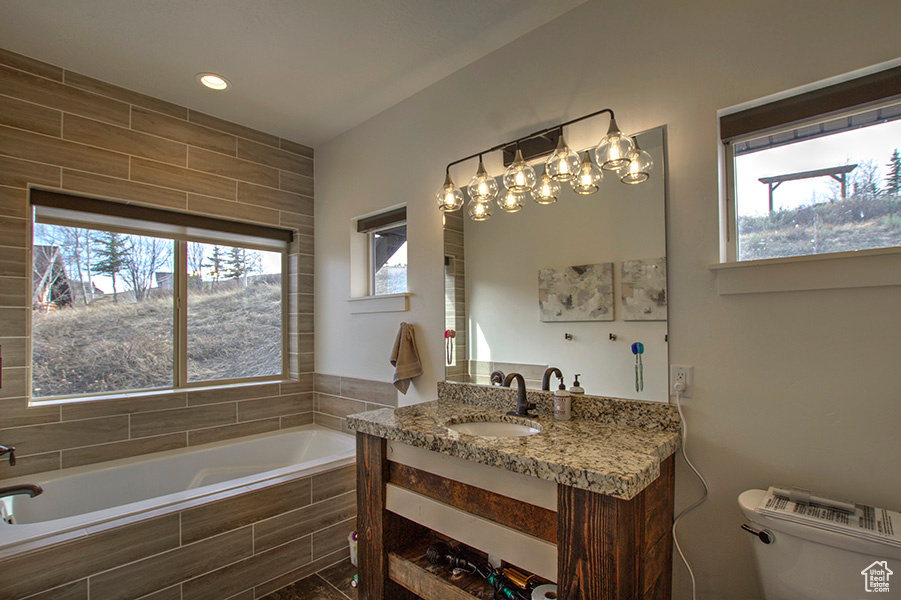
<point>332,583</point>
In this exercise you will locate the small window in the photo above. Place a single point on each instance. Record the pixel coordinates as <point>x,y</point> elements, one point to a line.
<point>817,173</point>
<point>107,299</point>
<point>387,249</point>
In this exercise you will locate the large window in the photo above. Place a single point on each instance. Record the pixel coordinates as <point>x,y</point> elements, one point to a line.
<point>817,173</point>
<point>116,309</point>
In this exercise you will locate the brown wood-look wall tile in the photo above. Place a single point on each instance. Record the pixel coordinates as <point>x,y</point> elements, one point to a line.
<point>232,394</point>
<point>302,223</point>
<point>335,482</point>
<point>264,408</point>
<point>332,539</point>
<point>12,233</point>
<point>113,91</point>
<point>122,189</point>
<point>339,407</point>
<point>227,432</point>
<point>26,63</point>
<point>299,523</point>
<point>28,465</point>
<point>116,450</point>
<point>304,323</point>
<point>182,131</point>
<point>170,593</point>
<point>12,262</point>
<point>228,166</point>
<point>232,128</point>
<point>248,573</point>
<point>328,421</point>
<point>273,157</point>
<point>181,419</point>
<point>148,171</point>
<point>273,585</point>
<point>17,413</point>
<point>32,117</point>
<point>297,420</point>
<point>232,210</point>
<point>380,392</point>
<point>13,202</point>
<point>242,509</point>
<point>123,406</point>
<point>14,291</point>
<point>12,321</point>
<point>306,362</point>
<point>121,139</point>
<point>305,264</point>
<point>160,571</point>
<point>305,243</point>
<point>296,148</point>
<point>305,303</point>
<point>19,173</point>
<point>36,439</point>
<point>77,590</point>
<point>13,351</point>
<point>298,184</point>
<point>32,146</point>
<point>33,572</point>
<point>15,382</point>
<point>275,199</point>
<point>62,97</point>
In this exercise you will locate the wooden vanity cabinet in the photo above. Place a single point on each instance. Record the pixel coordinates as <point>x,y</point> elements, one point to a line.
<point>607,548</point>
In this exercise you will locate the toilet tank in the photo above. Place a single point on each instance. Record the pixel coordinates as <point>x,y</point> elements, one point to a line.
<point>805,563</point>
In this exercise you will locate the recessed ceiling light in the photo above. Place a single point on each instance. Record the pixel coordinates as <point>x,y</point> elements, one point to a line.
<point>213,81</point>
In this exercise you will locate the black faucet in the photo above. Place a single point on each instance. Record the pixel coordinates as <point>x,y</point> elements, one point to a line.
<point>497,377</point>
<point>29,489</point>
<point>11,450</point>
<point>522,406</point>
<point>546,379</point>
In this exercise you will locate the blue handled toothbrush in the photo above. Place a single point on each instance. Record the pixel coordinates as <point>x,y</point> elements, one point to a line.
<point>638,350</point>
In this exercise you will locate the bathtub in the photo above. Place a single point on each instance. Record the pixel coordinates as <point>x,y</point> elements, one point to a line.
<point>84,497</point>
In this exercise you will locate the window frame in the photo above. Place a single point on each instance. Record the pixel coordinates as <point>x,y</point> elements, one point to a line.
<point>370,245</point>
<point>858,92</point>
<point>179,306</point>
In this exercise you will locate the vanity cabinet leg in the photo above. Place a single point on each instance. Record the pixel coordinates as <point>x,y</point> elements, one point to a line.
<point>378,531</point>
<point>614,549</point>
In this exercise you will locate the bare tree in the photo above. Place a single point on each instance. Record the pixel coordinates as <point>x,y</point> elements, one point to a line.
<point>146,256</point>
<point>195,264</point>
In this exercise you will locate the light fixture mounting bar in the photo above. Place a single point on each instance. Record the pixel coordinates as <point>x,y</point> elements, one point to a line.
<point>558,128</point>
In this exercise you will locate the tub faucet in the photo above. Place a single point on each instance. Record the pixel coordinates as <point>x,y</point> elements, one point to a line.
<point>11,450</point>
<point>546,379</point>
<point>29,489</point>
<point>497,377</point>
<point>522,405</point>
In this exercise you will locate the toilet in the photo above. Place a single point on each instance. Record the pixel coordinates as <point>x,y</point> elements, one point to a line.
<point>805,563</point>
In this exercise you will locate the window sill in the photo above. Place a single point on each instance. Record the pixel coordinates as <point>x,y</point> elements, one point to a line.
<point>863,268</point>
<point>380,304</point>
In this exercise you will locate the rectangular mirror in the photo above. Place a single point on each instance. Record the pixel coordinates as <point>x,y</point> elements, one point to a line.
<point>571,285</point>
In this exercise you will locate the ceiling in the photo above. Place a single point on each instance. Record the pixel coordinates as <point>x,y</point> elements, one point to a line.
<point>305,70</point>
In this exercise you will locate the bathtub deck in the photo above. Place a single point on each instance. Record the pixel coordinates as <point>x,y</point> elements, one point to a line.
<point>329,584</point>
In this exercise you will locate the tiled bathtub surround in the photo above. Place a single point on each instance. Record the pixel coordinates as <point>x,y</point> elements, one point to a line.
<point>337,397</point>
<point>652,416</point>
<point>253,543</point>
<point>66,131</point>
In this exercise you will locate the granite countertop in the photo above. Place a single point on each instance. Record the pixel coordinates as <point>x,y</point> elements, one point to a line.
<point>616,459</point>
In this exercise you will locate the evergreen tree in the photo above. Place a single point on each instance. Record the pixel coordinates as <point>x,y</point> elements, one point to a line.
<point>216,264</point>
<point>111,250</point>
<point>893,180</point>
<point>236,265</point>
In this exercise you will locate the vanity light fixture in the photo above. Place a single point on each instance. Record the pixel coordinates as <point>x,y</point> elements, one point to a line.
<point>213,81</point>
<point>588,177</point>
<point>616,152</point>
<point>546,191</point>
<point>482,187</point>
<point>639,168</point>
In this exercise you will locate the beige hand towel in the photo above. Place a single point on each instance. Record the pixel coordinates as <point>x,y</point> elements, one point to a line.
<point>405,358</point>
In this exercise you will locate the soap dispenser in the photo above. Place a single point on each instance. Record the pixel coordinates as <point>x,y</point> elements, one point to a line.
<point>562,403</point>
<point>577,387</point>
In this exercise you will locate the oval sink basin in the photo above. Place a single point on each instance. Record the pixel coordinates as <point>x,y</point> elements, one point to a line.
<point>494,428</point>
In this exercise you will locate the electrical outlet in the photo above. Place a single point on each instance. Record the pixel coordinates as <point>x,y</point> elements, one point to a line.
<point>681,373</point>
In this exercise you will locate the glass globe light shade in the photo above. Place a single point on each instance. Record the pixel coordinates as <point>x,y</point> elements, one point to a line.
<point>482,187</point>
<point>588,177</point>
<point>563,163</point>
<point>479,211</point>
<point>639,168</point>
<point>450,197</point>
<point>612,153</point>
<point>510,202</point>
<point>546,190</point>
<point>519,176</point>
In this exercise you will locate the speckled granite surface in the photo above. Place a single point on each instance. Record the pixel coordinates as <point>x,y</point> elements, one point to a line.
<point>605,457</point>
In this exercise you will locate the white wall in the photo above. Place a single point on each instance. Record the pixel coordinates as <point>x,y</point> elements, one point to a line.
<point>503,255</point>
<point>792,387</point>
